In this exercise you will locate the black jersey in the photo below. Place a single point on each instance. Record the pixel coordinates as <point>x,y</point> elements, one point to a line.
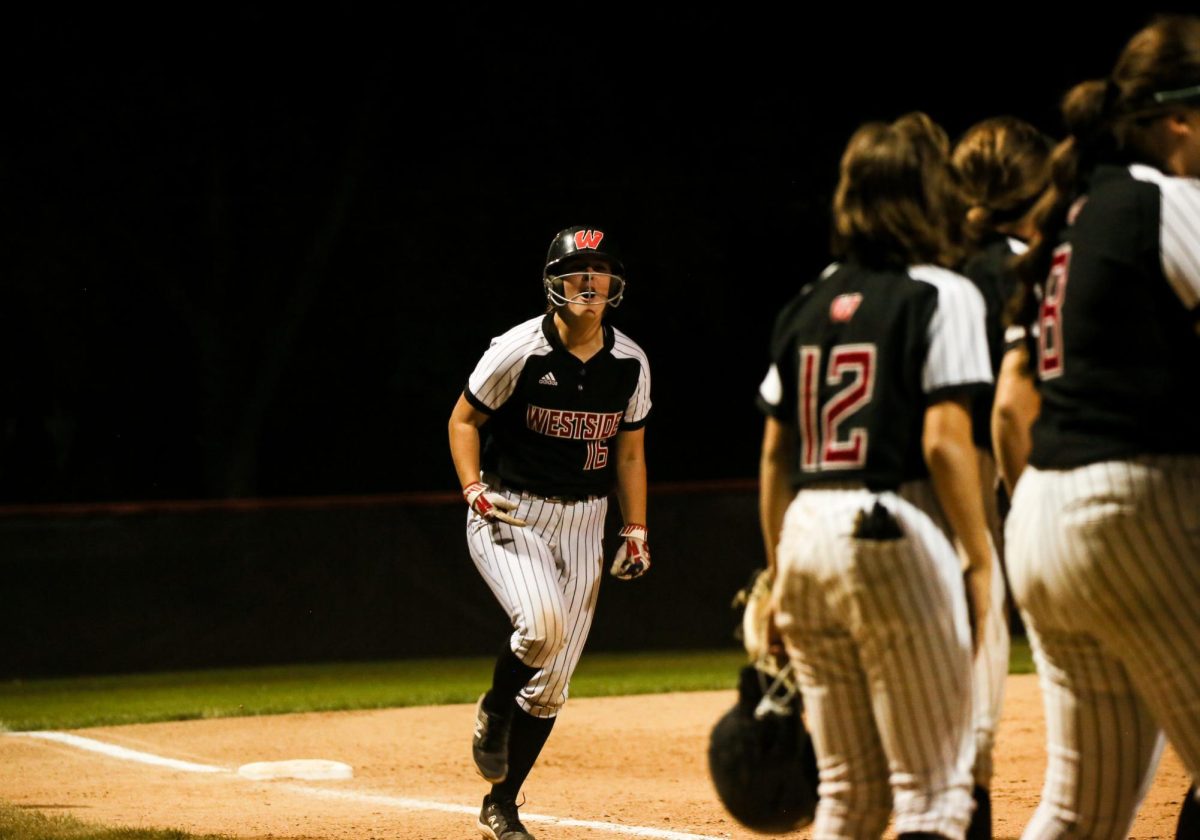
<point>859,355</point>
<point>990,269</point>
<point>553,416</point>
<point>1118,356</point>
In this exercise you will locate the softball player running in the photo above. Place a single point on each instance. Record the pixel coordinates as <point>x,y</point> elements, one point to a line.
<point>872,370</point>
<point>564,398</point>
<point>1002,166</point>
<point>1104,533</point>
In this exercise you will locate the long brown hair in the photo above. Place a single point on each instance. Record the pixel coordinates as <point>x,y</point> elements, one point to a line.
<point>1106,120</point>
<point>1003,165</point>
<point>895,201</point>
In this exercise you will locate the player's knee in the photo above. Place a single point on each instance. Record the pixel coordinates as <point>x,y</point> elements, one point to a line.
<point>542,640</point>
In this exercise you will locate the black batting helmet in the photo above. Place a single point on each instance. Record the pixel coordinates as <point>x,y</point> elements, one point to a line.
<point>762,761</point>
<point>579,244</point>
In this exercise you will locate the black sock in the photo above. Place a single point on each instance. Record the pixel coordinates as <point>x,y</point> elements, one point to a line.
<point>508,678</point>
<point>1189,817</point>
<point>981,823</point>
<point>525,741</point>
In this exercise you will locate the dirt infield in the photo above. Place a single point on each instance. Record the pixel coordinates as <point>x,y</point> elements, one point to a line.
<point>615,763</point>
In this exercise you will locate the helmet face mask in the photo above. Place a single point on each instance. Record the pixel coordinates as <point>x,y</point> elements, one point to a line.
<point>575,253</point>
<point>556,291</point>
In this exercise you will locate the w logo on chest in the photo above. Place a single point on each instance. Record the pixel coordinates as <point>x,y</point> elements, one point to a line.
<point>548,379</point>
<point>843,307</point>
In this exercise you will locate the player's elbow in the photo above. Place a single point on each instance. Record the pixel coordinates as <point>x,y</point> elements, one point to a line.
<point>1007,424</point>
<point>947,431</point>
<point>944,452</point>
<point>1014,411</point>
<point>947,447</point>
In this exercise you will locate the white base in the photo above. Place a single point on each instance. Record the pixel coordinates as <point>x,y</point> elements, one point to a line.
<point>311,769</point>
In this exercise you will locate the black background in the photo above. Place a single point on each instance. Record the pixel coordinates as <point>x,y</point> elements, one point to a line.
<point>257,252</point>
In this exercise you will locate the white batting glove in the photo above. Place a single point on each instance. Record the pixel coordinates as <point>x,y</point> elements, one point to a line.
<point>633,557</point>
<point>490,505</point>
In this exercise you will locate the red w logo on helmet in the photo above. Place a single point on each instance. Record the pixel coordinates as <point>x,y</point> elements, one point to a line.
<point>588,238</point>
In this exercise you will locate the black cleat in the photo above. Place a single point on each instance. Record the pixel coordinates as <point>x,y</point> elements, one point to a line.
<point>499,821</point>
<point>489,747</point>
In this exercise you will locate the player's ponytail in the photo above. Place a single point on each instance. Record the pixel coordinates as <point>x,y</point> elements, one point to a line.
<point>1003,167</point>
<point>1085,111</point>
<point>1109,120</point>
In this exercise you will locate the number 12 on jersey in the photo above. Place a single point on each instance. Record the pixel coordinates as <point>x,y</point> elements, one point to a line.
<point>824,445</point>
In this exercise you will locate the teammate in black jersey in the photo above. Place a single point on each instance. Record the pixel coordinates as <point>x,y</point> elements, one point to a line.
<point>562,400</point>
<point>873,367</point>
<point>1104,533</point>
<point>1002,167</point>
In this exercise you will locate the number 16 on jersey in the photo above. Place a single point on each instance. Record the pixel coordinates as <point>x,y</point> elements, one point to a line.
<point>824,444</point>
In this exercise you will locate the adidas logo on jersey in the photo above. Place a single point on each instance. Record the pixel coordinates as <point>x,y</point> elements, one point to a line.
<point>548,379</point>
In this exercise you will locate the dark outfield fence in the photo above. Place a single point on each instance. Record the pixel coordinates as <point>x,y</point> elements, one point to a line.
<point>111,588</point>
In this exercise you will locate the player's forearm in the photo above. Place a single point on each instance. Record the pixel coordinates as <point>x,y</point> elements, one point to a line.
<point>953,468</point>
<point>774,487</point>
<point>464,450</point>
<point>631,490</point>
<point>1016,407</point>
<point>464,425</point>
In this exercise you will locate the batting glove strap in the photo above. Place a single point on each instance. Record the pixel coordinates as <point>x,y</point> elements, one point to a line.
<point>633,556</point>
<point>638,532</point>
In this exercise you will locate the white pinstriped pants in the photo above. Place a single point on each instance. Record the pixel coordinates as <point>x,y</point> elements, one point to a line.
<point>990,667</point>
<point>547,577</point>
<point>879,634</point>
<point>1105,564</point>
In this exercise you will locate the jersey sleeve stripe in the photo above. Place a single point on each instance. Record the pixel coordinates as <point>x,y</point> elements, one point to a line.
<point>476,403</point>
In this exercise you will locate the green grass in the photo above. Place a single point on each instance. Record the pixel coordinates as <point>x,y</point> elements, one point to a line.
<point>76,702</point>
<point>1020,657</point>
<point>23,824</point>
<point>187,695</point>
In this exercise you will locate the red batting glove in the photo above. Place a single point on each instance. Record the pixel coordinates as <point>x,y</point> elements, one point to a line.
<point>633,557</point>
<point>490,505</point>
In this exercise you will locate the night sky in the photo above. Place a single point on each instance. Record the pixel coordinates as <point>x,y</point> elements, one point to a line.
<point>256,254</point>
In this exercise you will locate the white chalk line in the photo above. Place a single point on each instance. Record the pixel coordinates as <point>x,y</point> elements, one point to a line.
<point>402,802</point>
<point>424,805</point>
<point>122,752</point>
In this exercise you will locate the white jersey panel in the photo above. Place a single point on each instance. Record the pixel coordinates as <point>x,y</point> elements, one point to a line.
<point>958,351</point>
<point>1179,236</point>
<point>771,389</point>
<point>625,347</point>
<point>494,378</point>
<point>1015,245</point>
